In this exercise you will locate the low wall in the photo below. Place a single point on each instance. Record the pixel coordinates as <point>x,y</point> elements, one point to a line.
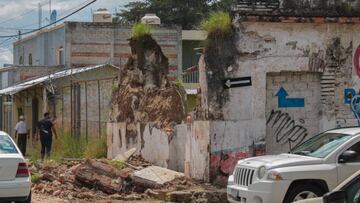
<point>186,150</point>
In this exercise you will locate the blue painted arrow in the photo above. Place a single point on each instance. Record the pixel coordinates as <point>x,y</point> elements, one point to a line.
<point>288,103</point>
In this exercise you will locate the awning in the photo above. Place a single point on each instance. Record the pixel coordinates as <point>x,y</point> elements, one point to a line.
<point>60,74</point>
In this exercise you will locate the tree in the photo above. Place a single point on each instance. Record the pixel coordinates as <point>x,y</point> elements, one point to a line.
<point>186,13</point>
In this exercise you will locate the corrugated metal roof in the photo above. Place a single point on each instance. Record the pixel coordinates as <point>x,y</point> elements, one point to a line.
<point>22,86</point>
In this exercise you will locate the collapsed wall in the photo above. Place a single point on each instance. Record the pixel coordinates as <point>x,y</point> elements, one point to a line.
<point>144,93</point>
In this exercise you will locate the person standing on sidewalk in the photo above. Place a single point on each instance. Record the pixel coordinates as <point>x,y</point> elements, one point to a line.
<point>22,134</point>
<point>46,130</point>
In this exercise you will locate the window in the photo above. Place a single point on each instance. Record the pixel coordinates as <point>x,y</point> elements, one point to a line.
<point>30,59</point>
<point>355,148</point>
<point>353,191</point>
<point>60,59</point>
<point>21,61</point>
<point>321,145</point>
<point>6,145</point>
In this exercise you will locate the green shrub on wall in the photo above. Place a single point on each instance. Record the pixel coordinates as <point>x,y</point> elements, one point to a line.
<point>140,29</point>
<point>217,22</point>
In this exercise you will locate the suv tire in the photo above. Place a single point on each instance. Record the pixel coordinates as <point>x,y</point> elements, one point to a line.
<point>302,191</point>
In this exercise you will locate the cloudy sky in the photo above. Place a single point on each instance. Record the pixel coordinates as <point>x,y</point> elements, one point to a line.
<point>23,14</point>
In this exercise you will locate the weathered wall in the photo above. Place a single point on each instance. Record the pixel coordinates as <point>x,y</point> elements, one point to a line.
<point>98,43</point>
<point>154,145</point>
<point>287,127</point>
<point>43,47</point>
<point>318,59</point>
<point>95,91</point>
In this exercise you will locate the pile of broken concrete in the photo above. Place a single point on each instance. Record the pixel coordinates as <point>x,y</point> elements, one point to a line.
<point>92,180</point>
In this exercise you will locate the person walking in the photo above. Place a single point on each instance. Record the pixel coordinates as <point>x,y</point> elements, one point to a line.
<point>46,130</point>
<point>22,134</point>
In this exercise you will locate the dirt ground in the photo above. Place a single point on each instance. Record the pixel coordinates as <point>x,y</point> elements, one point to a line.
<point>41,198</point>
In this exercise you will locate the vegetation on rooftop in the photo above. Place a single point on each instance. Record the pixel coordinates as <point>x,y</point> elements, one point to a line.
<point>140,29</point>
<point>217,22</point>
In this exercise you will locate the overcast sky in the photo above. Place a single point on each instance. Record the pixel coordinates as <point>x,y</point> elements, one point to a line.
<point>15,14</point>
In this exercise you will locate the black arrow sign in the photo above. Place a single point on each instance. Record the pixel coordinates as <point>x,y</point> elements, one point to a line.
<point>237,82</point>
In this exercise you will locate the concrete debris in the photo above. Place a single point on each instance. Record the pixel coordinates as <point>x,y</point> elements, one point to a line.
<point>126,155</point>
<point>94,174</point>
<point>155,177</point>
<point>101,180</point>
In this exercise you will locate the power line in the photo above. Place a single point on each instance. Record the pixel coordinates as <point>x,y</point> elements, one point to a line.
<point>44,19</point>
<point>21,15</point>
<point>63,18</point>
<point>37,29</point>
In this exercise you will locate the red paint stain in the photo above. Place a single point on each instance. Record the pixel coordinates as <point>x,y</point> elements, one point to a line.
<point>222,165</point>
<point>356,60</point>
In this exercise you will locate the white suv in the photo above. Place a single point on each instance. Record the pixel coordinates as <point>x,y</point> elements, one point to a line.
<point>310,170</point>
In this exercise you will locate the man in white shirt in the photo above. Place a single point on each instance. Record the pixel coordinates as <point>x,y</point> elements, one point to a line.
<point>22,133</point>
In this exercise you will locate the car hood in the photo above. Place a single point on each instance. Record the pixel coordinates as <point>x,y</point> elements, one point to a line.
<point>281,160</point>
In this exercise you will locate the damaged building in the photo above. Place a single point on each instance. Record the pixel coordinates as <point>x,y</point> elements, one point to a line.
<point>280,81</point>
<point>73,45</point>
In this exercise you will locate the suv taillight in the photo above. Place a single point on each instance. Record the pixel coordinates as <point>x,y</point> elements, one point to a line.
<point>22,171</point>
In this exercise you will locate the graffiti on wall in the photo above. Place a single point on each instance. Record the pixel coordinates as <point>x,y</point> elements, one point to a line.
<point>352,98</point>
<point>286,131</point>
<point>284,102</point>
<point>349,93</point>
<point>355,107</point>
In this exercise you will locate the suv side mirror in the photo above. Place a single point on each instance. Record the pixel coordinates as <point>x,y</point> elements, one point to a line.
<point>335,197</point>
<point>346,156</point>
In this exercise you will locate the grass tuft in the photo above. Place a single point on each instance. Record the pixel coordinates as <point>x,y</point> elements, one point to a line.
<point>96,148</point>
<point>140,29</point>
<point>67,146</point>
<point>116,164</point>
<point>217,22</point>
<point>35,178</point>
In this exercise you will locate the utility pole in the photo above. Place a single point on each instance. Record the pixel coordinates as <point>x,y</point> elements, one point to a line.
<point>40,15</point>
<point>49,9</point>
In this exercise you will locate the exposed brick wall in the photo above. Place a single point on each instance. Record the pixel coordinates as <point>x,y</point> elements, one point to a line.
<point>98,43</point>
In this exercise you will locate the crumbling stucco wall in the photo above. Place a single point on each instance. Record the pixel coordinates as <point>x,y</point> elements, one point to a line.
<point>322,51</point>
<point>153,144</point>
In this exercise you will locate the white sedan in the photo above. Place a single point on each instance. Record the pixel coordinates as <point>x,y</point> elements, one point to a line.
<point>15,182</point>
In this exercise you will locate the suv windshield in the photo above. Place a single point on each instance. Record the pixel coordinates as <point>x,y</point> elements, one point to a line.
<point>321,145</point>
<point>6,145</point>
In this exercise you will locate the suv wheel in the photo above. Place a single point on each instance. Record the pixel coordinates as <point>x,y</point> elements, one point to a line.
<point>301,192</point>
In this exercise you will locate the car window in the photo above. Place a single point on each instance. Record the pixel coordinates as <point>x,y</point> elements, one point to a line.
<point>6,145</point>
<point>356,148</point>
<point>321,145</point>
<point>353,191</point>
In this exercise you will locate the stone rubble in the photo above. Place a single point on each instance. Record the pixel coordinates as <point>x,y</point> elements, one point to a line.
<point>95,180</point>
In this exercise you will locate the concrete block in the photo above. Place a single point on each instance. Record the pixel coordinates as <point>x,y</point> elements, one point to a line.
<point>154,176</point>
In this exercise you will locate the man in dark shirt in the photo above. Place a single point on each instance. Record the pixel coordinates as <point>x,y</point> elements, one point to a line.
<point>46,130</point>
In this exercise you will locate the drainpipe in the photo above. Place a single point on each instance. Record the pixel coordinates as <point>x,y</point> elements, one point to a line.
<point>1,113</point>
<point>45,101</point>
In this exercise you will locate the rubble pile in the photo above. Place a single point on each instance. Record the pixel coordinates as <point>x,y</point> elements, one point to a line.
<point>144,93</point>
<point>135,179</point>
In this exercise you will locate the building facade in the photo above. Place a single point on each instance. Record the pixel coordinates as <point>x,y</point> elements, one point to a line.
<point>79,44</point>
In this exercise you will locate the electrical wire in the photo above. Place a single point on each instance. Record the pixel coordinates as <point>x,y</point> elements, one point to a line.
<point>23,14</point>
<point>48,25</point>
<point>44,19</point>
